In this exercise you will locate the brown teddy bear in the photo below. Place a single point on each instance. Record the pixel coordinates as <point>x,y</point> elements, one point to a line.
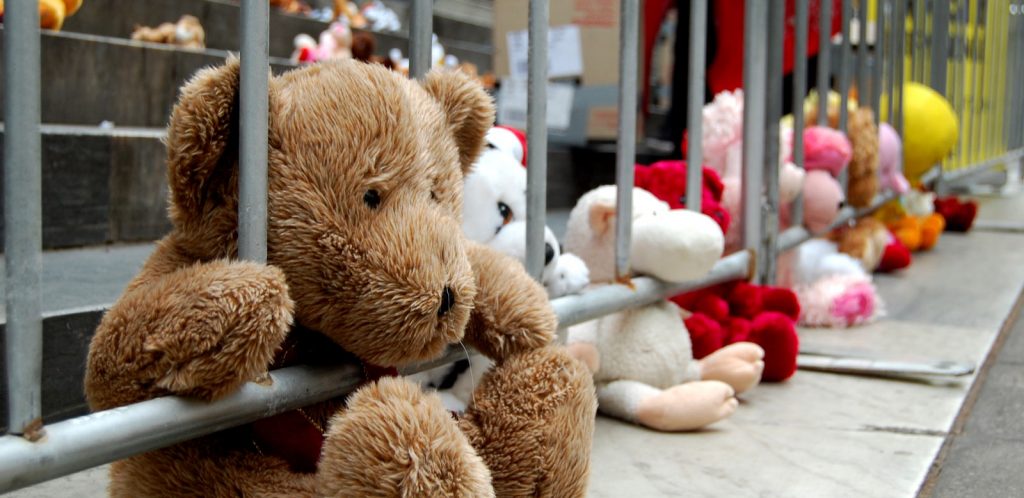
<point>365,258</point>
<point>863,171</point>
<point>187,32</point>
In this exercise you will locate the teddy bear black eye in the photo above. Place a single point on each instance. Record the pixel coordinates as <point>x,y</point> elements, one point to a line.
<point>433,196</point>
<point>505,212</point>
<point>372,198</point>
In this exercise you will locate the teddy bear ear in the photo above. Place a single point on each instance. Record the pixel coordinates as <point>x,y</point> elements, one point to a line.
<point>468,109</point>
<point>602,213</point>
<point>202,142</point>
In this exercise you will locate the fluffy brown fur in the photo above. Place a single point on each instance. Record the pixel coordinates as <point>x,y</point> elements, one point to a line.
<point>364,246</point>
<point>863,171</point>
<point>865,241</point>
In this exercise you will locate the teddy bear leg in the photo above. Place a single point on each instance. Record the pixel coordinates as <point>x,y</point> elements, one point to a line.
<point>200,331</point>
<point>396,440</point>
<point>739,364</point>
<point>207,467</point>
<point>532,420</point>
<point>684,407</point>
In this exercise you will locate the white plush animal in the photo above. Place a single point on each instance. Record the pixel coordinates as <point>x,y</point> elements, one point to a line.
<point>642,360</point>
<point>494,213</point>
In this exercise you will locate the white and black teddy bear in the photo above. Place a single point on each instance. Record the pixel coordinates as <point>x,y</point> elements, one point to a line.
<point>494,213</point>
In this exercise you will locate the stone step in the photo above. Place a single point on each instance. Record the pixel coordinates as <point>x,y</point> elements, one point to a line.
<point>77,286</point>
<point>102,185</point>
<point>88,79</point>
<point>220,20</point>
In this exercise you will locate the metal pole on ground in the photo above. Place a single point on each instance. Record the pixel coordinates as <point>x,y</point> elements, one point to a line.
<point>824,60</point>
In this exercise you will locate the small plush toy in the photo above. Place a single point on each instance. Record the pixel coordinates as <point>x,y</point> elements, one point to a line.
<point>834,289</point>
<point>366,264</point>
<point>380,17</point>
<point>890,160</point>
<point>187,32</point>
<point>873,244</point>
<point>642,358</point>
<point>739,311</point>
<point>52,13</point>
<point>913,220</point>
<point>826,149</point>
<point>667,181</point>
<point>335,42</point>
<point>348,12</point>
<point>959,215</point>
<point>862,180</point>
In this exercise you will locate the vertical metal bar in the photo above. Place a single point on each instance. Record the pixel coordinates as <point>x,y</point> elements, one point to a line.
<point>421,28</point>
<point>773,112</point>
<point>22,217</point>
<point>754,72</point>
<point>799,91</point>
<point>980,41</point>
<point>863,87</point>
<point>629,29</point>
<point>844,65</point>
<point>940,46</point>
<point>900,38</point>
<point>844,80</point>
<point>878,59</point>
<point>252,145</point>
<point>537,137</point>
<point>695,103</point>
<point>960,77</point>
<point>1017,54</point>
<point>918,43</point>
<point>894,56</point>
<point>824,59</point>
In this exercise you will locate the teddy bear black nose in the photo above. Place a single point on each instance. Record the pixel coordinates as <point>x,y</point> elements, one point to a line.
<point>447,301</point>
<point>549,253</point>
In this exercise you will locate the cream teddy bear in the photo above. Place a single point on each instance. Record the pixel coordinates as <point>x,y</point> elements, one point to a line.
<point>642,360</point>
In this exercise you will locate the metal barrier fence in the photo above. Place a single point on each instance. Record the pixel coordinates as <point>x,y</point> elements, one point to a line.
<point>32,453</point>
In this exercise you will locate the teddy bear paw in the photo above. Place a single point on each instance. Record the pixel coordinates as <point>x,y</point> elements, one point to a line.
<point>740,365</point>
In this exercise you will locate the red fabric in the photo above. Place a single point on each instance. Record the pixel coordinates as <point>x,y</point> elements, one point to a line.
<point>739,311</point>
<point>776,334</point>
<point>520,135</point>
<point>706,335</point>
<point>959,215</point>
<point>896,256</point>
<point>667,181</point>
<point>726,71</point>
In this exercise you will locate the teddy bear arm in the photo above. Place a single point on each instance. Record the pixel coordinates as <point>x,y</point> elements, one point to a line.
<point>511,312</point>
<point>531,419</point>
<point>201,330</point>
<point>395,440</point>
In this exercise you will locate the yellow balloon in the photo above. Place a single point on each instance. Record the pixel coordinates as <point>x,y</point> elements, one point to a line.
<point>929,129</point>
